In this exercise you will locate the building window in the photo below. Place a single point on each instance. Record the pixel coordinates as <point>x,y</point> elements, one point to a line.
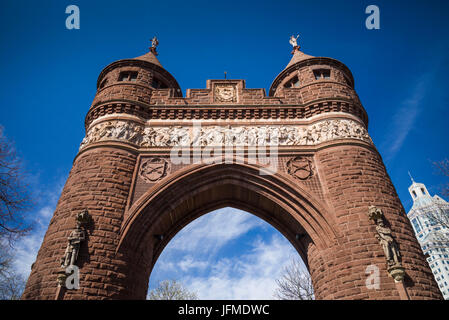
<point>292,83</point>
<point>414,194</point>
<point>103,83</point>
<point>416,225</point>
<point>322,74</point>
<point>423,192</point>
<point>157,84</point>
<point>127,76</point>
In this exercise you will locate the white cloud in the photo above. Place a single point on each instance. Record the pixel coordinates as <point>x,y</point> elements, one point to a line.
<point>246,268</point>
<point>251,276</point>
<point>27,247</point>
<point>212,231</point>
<point>25,252</point>
<point>189,263</point>
<point>404,119</point>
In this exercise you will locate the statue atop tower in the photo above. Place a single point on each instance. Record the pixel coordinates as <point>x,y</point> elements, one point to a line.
<point>294,42</point>
<point>154,44</point>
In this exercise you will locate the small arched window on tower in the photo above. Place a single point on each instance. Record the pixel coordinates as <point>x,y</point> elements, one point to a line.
<point>423,192</point>
<point>348,82</point>
<point>157,84</point>
<point>103,83</point>
<point>128,76</point>
<point>292,83</point>
<point>414,194</point>
<point>322,74</point>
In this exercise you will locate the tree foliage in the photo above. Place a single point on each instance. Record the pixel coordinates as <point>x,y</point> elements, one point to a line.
<point>171,290</point>
<point>295,283</point>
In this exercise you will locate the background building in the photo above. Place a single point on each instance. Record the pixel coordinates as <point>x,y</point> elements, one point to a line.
<point>430,220</point>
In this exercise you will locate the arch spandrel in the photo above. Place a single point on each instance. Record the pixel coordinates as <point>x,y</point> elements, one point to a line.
<point>277,199</point>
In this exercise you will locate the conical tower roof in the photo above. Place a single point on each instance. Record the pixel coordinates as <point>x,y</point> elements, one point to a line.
<point>149,57</point>
<point>298,56</point>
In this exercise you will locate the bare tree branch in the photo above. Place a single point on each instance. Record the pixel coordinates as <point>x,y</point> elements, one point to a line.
<point>15,198</point>
<point>443,168</point>
<point>295,283</point>
<point>11,283</point>
<point>171,290</point>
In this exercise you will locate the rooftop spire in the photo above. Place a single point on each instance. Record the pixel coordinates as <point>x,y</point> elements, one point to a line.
<point>151,55</point>
<point>413,181</point>
<point>298,55</point>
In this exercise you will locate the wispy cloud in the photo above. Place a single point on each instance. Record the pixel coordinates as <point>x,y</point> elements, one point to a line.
<point>250,276</point>
<point>212,231</point>
<point>253,255</point>
<point>404,119</point>
<point>27,247</point>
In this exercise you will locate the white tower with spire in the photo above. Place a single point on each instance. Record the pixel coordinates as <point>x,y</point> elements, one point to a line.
<point>430,220</point>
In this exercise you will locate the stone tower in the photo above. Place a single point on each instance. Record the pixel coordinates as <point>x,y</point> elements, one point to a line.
<point>300,158</point>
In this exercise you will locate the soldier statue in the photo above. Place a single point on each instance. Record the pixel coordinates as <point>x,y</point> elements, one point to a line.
<point>388,244</point>
<point>75,238</point>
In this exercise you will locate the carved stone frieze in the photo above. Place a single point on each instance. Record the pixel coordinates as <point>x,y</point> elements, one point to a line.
<point>268,135</point>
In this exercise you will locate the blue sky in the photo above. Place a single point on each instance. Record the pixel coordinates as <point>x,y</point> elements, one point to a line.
<point>50,73</point>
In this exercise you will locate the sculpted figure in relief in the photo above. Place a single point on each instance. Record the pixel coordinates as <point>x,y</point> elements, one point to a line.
<point>217,135</point>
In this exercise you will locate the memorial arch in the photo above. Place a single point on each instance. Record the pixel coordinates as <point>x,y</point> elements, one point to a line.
<point>300,158</point>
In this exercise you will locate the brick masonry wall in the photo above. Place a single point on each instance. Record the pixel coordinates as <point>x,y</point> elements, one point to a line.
<point>355,178</point>
<point>349,178</point>
<point>99,182</point>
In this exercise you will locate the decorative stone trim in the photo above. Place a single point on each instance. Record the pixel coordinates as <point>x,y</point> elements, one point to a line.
<point>154,169</point>
<point>185,136</point>
<point>225,93</point>
<point>231,112</point>
<point>300,167</point>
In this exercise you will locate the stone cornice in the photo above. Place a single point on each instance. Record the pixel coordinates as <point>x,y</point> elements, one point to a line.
<point>224,112</point>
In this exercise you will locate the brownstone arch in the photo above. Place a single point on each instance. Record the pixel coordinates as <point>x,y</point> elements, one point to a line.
<point>199,189</point>
<point>328,175</point>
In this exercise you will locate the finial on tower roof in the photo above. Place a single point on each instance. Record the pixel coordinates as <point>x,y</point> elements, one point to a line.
<point>294,42</point>
<point>154,44</point>
<point>413,181</point>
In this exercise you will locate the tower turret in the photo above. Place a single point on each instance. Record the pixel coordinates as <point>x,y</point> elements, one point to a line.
<point>133,81</point>
<point>309,78</point>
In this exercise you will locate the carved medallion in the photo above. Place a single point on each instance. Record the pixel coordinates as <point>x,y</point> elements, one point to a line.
<point>154,169</point>
<point>300,167</point>
<point>225,93</point>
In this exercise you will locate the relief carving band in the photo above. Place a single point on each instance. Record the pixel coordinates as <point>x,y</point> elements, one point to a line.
<point>268,135</point>
<point>300,167</point>
<point>388,243</point>
<point>225,93</point>
<point>154,169</point>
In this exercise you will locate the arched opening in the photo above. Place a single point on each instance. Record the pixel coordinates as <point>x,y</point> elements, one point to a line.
<point>198,189</point>
<point>227,254</point>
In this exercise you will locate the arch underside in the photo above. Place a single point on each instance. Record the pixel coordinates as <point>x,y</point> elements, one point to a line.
<point>194,191</point>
